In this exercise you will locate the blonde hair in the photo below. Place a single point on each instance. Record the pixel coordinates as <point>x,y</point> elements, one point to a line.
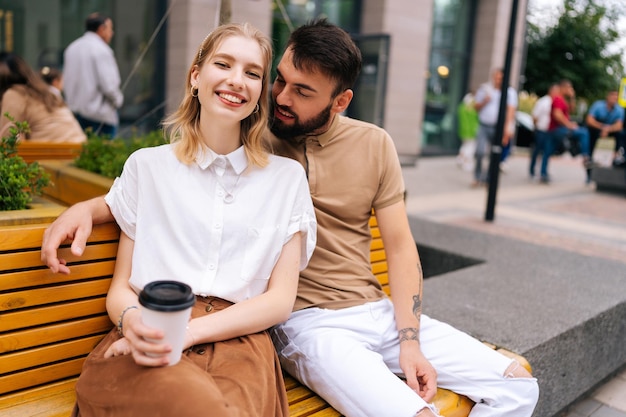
<point>183,126</point>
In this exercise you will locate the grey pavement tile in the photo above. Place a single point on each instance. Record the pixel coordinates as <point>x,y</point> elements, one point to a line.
<point>613,393</point>
<point>586,407</point>
<point>606,411</point>
<point>573,414</point>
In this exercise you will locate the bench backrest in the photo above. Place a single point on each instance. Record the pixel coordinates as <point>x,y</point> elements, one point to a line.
<point>50,322</point>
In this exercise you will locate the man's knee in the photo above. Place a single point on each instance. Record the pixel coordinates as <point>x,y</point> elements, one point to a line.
<point>426,412</point>
<point>515,370</point>
<point>524,389</point>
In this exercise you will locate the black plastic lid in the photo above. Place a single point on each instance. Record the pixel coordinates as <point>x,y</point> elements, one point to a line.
<point>167,296</point>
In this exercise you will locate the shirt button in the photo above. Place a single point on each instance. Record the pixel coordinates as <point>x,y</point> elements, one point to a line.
<point>211,266</point>
<point>218,225</point>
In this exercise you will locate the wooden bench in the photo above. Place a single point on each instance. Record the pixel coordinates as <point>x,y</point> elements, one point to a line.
<point>38,151</point>
<point>50,322</point>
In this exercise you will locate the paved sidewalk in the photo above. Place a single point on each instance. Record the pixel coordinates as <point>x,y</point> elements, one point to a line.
<point>566,213</point>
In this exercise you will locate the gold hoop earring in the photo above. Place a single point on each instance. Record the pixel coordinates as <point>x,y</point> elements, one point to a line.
<point>194,91</point>
<point>256,108</point>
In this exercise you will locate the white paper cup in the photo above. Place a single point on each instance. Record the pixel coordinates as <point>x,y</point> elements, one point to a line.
<point>166,305</point>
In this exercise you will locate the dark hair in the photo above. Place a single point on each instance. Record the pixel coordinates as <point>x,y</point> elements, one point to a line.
<point>322,46</point>
<point>94,21</point>
<point>565,82</point>
<point>49,74</point>
<point>14,71</point>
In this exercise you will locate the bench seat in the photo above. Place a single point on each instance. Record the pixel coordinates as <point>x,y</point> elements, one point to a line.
<point>50,322</point>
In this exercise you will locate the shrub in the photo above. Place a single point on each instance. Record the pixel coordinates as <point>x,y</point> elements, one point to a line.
<point>106,157</point>
<point>19,181</point>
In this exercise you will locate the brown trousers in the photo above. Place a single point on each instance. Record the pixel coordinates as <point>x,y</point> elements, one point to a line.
<point>240,377</point>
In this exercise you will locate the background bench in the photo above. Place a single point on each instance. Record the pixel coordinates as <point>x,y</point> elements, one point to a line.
<point>50,322</point>
<point>37,151</point>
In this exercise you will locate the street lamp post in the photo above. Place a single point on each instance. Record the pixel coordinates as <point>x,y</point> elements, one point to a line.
<point>496,147</point>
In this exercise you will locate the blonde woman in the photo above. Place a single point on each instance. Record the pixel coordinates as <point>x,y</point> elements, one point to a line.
<point>213,210</point>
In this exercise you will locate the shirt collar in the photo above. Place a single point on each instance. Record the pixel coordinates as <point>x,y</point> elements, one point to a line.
<point>237,158</point>
<point>325,137</point>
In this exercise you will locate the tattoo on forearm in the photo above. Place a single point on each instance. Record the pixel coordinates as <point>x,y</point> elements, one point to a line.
<point>417,306</point>
<point>409,333</point>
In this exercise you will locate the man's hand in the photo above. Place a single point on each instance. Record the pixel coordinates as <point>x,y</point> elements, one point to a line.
<point>604,132</point>
<point>73,224</point>
<point>420,374</point>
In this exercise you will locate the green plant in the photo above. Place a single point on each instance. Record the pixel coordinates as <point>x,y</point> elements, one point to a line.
<point>107,156</point>
<point>19,181</point>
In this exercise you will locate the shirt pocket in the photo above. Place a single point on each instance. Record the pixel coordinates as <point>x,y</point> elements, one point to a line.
<point>262,249</point>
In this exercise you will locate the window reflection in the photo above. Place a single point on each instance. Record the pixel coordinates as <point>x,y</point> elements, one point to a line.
<point>447,76</point>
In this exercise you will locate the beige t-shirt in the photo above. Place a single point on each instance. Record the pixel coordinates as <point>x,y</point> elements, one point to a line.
<point>352,168</point>
<point>60,125</point>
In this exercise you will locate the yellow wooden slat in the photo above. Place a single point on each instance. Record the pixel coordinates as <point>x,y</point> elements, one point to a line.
<point>32,259</point>
<point>39,394</point>
<point>373,220</point>
<point>59,293</point>
<point>379,268</point>
<point>33,278</point>
<point>290,382</point>
<point>376,244</point>
<point>30,236</point>
<point>298,394</point>
<point>307,407</point>
<point>383,279</point>
<point>48,354</point>
<point>51,314</point>
<point>40,336</point>
<point>42,375</point>
<point>377,256</point>
<point>60,405</point>
<point>327,412</point>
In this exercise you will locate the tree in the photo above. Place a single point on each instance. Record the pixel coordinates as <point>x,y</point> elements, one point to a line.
<point>578,48</point>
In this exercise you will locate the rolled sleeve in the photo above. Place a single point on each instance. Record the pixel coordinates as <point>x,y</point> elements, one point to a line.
<point>122,199</point>
<point>303,220</point>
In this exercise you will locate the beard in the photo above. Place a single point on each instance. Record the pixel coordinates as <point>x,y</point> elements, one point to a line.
<point>291,133</point>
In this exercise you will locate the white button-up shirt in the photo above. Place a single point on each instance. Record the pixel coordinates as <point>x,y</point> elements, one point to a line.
<point>218,224</point>
<point>488,115</point>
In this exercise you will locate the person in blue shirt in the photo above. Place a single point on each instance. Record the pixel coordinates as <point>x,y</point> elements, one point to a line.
<point>605,119</point>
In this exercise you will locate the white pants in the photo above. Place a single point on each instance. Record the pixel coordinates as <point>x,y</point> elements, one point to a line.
<point>465,158</point>
<point>350,357</point>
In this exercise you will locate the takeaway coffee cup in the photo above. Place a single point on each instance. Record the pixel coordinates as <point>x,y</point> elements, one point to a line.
<point>166,305</point>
